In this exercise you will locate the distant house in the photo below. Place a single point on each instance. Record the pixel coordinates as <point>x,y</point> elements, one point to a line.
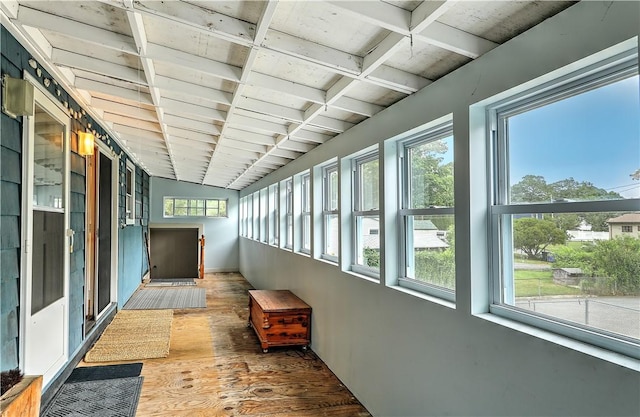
<point>426,235</point>
<point>625,225</point>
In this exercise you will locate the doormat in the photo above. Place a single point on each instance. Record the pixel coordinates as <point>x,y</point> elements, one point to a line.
<point>170,282</point>
<point>164,298</point>
<point>134,335</point>
<point>96,373</point>
<point>116,397</point>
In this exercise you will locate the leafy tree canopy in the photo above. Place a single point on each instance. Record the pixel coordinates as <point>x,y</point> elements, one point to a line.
<point>533,236</point>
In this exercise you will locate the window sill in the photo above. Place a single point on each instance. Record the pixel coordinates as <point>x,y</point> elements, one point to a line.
<point>364,277</point>
<point>424,296</point>
<point>582,347</point>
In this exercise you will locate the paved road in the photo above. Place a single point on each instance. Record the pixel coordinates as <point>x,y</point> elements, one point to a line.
<point>616,314</point>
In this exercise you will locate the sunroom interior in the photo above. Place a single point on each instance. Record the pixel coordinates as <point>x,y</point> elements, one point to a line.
<point>385,161</point>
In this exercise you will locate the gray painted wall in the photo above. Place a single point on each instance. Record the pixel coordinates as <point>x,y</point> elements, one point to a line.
<point>221,234</point>
<point>403,355</point>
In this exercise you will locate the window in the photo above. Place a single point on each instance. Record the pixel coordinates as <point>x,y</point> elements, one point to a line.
<point>194,207</point>
<point>249,205</point>
<point>256,215</point>
<point>627,229</point>
<point>274,220</point>
<point>242,217</point>
<point>427,213</point>
<point>560,161</point>
<point>366,215</point>
<point>288,189</point>
<point>130,184</point>
<point>306,212</point>
<point>264,218</point>
<point>330,213</point>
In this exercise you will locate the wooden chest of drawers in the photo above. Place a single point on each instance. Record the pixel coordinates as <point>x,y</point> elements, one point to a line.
<point>279,318</point>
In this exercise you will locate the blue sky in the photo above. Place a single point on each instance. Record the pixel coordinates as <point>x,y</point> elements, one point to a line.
<point>592,137</point>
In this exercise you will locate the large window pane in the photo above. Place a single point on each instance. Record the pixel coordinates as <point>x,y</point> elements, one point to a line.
<point>331,234</point>
<point>369,186</point>
<point>48,166</point>
<point>430,250</point>
<point>431,174</point>
<point>368,241</point>
<point>578,275</point>
<point>585,147</point>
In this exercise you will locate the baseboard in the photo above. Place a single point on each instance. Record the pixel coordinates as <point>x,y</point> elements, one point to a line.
<point>52,388</point>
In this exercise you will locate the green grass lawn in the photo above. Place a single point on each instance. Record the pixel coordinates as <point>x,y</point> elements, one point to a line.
<point>540,283</point>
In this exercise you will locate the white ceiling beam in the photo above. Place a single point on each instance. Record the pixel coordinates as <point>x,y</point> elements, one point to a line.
<point>208,93</point>
<point>180,107</point>
<point>352,105</point>
<point>190,134</point>
<point>309,136</point>
<point>140,35</point>
<point>125,130</point>
<point>113,91</point>
<point>455,40</point>
<point>324,56</point>
<point>135,112</point>
<point>398,80</point>
<point>291,88</point>
<point>284,153</point>
<point>10,8</point>
<point>98,66</point>
<point>253,125</point>
<point>382,52</point>
<point>251,137</point>
<point>238,144</point>
<point>427,12</point>
<point>296,146</point>
<point>332,125</point>
<point>378,13</point>
<point>217,24</point>
<point>270,158</point>
<point>275,110</point>
<point>194,62</point>
<point>132,122</point>
<point>78,30</point>
<point>190,142</point>
<point>190,124</point>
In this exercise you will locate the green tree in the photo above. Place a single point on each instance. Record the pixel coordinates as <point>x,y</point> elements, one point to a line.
<point>619,260</point>
<point>571,189</point>
<point>531,189</point>
<point>431,180</point>
<point>533,236</point>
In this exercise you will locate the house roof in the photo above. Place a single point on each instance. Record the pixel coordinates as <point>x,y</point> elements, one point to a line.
<point>222,93</point>
<point>626,218</point>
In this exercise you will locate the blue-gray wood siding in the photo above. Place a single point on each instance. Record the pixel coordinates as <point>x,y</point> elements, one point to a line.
<point>131,258</point>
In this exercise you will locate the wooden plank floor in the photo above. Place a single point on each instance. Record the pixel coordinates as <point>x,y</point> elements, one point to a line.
<point>216,367</point>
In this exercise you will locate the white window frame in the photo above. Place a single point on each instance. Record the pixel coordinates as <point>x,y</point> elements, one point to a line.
<point>305,212</point>
<point>593,76</point>
<point>358,214</point>
<point>288,213</point>
<point>256,216</point>
<point>274,219</point>
<point>327,210</point>
<point>249,215</point>
<point>130,197</point>
<point>406,214</point>
<point>264,215</point>
<point>199,199</point>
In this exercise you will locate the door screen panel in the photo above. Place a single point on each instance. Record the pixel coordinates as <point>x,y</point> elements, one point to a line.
<point>48,211</point>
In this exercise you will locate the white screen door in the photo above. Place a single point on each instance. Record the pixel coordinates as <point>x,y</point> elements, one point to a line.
<point>46,248</point>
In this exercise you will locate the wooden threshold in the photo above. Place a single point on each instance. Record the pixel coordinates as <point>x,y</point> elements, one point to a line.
<point>216,367</point>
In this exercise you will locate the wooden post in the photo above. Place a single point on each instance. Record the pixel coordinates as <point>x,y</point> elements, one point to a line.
<point>23,399</point>
<point>202,257</point>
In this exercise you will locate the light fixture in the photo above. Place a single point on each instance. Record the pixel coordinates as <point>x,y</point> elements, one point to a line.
<point>17,97</point>
<point>85,143</point>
